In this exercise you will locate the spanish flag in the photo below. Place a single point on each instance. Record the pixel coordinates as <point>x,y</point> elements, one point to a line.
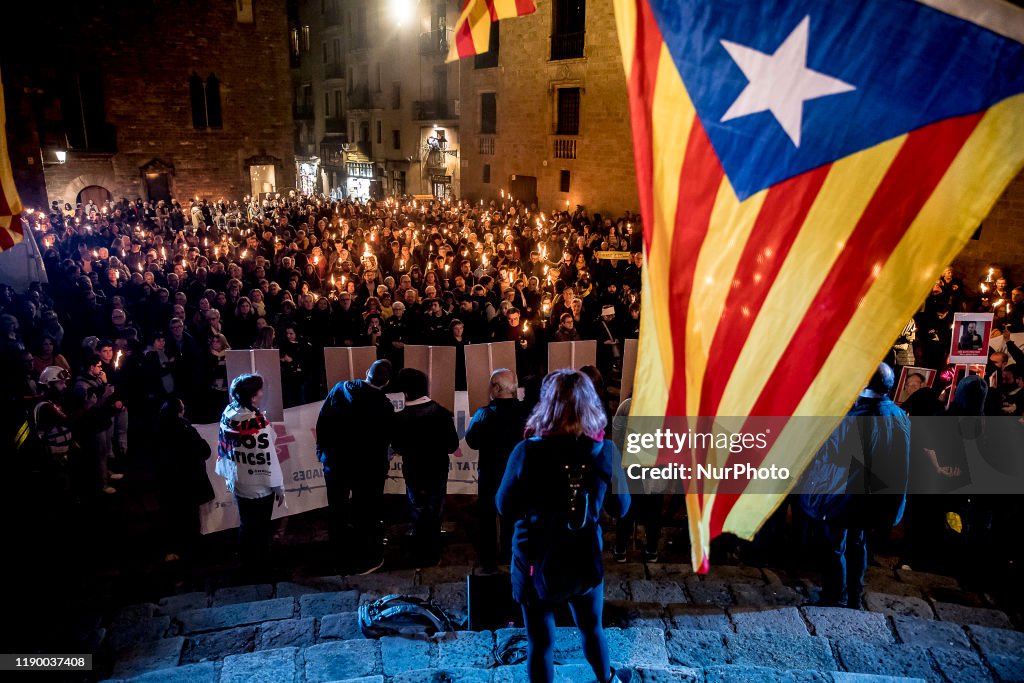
<point>10,204</point>
<point>805,171</point>
<point>473,30</point>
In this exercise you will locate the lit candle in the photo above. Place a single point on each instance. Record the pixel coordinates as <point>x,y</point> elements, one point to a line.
<point>117,357</point>
<point>989,278</point>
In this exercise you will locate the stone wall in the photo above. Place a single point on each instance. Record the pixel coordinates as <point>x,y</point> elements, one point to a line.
<point>1001,244</point>
<point>602,176</point>
<point>145,53</point>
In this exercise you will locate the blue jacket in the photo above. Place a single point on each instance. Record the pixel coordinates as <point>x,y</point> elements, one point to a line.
<point>859,476</point>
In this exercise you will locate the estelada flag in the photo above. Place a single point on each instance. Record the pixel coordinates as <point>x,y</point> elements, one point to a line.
<point>805,168</point>
<point>10,204</point>
<point>473,29</point>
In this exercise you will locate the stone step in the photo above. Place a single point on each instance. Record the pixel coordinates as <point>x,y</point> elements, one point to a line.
<point>285,666</point>
<point>255,653</point>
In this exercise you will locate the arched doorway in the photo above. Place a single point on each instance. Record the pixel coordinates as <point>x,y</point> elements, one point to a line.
<point>97,193</point>
<point>156,177</point>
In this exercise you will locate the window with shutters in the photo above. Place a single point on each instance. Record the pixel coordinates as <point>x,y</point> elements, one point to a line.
<point>568,111</point>
<point>205,100</point>
<point>488,112</point>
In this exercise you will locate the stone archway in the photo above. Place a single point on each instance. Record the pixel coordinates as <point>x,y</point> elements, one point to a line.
<point>98,194</point>
<point>72,189</point>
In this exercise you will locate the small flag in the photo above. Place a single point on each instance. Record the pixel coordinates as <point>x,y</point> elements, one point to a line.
<point>473,30</point>
<point>10,204</point>
<point>805,170</point>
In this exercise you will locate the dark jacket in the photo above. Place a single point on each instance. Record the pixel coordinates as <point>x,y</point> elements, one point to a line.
<point>354,429</point>
<point>182,454</point>
<point>425,436</point>
<point>859,476</point>
<point>494,431</point>
<point>533,494</point>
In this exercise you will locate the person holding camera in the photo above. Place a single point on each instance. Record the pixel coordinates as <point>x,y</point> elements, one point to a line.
<point>555,485</point>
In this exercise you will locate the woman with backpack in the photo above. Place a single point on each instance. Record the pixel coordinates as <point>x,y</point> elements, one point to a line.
<point>554,487</point>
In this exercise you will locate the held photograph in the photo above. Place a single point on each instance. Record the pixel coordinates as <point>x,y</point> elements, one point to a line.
<point>911,379</point>
<point>970,338</point>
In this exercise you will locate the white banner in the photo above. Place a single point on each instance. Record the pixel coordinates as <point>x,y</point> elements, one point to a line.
<point>304,475</point>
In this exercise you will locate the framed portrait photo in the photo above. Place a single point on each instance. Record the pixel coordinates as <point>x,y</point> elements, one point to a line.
<point>911,379</point>
<point>971,332</point>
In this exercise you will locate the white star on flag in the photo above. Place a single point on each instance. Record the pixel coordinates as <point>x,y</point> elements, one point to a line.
<point>781,82</point>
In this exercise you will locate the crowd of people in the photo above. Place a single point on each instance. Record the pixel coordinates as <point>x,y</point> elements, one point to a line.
<point>129,337</point>
<point>144,300</point>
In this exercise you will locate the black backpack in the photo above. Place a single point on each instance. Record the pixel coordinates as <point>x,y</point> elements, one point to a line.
<point>404,615</point>
<point>565,546</point>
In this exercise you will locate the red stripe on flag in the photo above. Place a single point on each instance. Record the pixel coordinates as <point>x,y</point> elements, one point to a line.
<point>699,181</point>
<point>464,38</point>
<point>5,204</point>
<point>642,80</point>
<point>910,180</point>
<point>776,228</point>
<point>492,10</point>
<point>6,238</point>
<point>524,7</point>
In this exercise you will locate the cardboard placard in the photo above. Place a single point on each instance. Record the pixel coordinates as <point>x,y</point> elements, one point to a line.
<point>612,255</point>
<point>266,362</point>
<point>970,338</point>
<point>344,363</point>
<point>439,364</point>
<point>628,368</point>
<point>481,361</point>
<point>573,355</point>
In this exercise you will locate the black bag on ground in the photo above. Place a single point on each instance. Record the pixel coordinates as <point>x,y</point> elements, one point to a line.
<point>402,615</point>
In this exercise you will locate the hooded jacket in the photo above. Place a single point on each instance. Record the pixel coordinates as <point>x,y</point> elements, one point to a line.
<point>354,429</point>
<point>247,453</point>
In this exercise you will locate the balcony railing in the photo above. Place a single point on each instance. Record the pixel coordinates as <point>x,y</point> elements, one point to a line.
<point>334,18</point>
<point>565,148</point>
<point>334,70</point>
<point>335,124</point>
<point>486,145</point>
<point>359,98</point>
<point>425,110</point>
<point>332,154</point>
<point>358,41</point>
<point>435,42</point>
<point>567,46</point>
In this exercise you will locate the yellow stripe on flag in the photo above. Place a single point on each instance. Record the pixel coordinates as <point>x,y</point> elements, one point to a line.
<point>672,117</point>
<point>625,25</point>
<point>728,230</point>
<point>988,161</point>
<point>7,188</point>
<point>850,184</point>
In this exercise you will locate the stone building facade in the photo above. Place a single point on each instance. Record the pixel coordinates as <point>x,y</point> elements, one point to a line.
<point>153,99</point>
<point>1000,242</point>
<point>561,128</point>
<point>377,108</point>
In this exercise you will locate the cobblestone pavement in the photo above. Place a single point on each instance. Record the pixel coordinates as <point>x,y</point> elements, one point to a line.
<point>734,624</point>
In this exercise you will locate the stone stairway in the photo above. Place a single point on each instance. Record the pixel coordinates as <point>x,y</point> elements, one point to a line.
<point>735,624</point>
